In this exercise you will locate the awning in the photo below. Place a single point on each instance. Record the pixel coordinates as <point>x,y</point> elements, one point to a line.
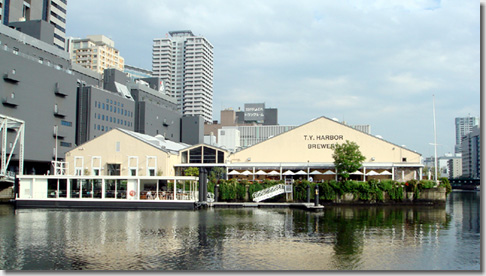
<point>233,172</point>
<point>316,172</point>
<point>301,172</point>
<point>386,173</point>
<point>329,172</point>
<point>288,173</point>
<point>372,173</point>
<point>260,172</point>
<point>247,172</point>
<point>273,173</point>
<point>357,173</point>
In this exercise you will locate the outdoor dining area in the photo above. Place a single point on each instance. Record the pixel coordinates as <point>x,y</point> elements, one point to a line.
<point>313,175</point>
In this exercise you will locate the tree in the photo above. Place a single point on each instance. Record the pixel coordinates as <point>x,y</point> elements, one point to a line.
<point>191,171</point>
<point>216,174</point>
<point>347,158</point>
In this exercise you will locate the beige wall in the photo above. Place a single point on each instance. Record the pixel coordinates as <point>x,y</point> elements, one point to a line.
<point>105,146</point>
<point>312,142</point>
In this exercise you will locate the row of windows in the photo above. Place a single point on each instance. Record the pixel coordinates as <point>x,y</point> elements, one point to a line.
<point>102,128</point>
<point>112,120</point>
<point>114,108</point>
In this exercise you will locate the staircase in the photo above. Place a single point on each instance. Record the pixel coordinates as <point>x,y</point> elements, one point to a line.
<point>268,192</point>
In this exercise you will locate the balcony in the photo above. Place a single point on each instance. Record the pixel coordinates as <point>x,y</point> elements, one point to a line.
<point>59,112</point>
<point>59,92</point>
<point>11,76</point>
<point>10,101</point>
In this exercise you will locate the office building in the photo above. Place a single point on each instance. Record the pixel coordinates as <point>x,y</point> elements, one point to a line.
<point>95,52</point>
<point>471,154</point>
<point>39,88</point>
<point>257,113</point>
<point>464,125</point>
<point>52,11</point>
<point>185,63</point>
<point>455,167</point>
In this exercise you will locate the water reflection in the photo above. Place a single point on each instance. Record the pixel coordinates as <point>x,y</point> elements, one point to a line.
<point>340,238</point>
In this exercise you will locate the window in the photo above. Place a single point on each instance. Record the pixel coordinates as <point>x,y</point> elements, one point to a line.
<point>65,144</point>
<point>195,155</point>
<point>66,123</point>
<point>117,146</point>
<point>113,169</point>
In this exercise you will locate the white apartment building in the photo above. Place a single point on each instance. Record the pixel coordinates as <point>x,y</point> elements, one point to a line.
<point>95,52</point>
<point>185,63</point>
<point>52,11</point>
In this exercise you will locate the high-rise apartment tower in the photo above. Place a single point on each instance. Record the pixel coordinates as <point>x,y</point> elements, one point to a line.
<point>52,11</point>
<point>185,63</point>
<point>464,125</point>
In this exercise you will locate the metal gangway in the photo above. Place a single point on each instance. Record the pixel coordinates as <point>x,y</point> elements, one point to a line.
<point>271,192</point>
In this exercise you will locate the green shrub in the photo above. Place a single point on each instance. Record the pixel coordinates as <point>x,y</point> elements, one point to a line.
<point>444,182</point>
<point>326,191</point>
<point>253,188</point>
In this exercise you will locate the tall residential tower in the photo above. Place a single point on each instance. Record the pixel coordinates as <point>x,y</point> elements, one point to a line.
<point>185,63</point>
<point>464,126</point>
<point>52,11</point>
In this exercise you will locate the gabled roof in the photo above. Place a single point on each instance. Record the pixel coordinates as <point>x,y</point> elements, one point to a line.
<point>206,145</point>
<point>158,141</point>
<point>334,121</point>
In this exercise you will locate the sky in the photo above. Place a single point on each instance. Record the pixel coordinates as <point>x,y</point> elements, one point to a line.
<point>383,63</point>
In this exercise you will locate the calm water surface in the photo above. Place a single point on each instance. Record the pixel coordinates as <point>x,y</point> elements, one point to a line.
<point>340,238</point>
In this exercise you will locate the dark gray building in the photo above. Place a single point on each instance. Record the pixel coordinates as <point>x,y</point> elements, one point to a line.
<point>192,130</point>
<point>257,113</point>
<point>35,28</point>
<point>471,154</point>
<point>100,110</point>
<point>156,113</point>
<point>50,11</point>
<point>37,86</point>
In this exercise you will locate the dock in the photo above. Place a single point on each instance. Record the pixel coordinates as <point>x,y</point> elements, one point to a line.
<point>300,205</point>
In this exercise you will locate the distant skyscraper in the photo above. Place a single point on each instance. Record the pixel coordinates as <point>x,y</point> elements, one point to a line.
<point>471,154</point>
<point>464,125</point>
<point>185,63</point>
<point>52,11</point>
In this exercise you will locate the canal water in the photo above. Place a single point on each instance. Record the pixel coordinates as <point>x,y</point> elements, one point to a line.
<point>339,238</point>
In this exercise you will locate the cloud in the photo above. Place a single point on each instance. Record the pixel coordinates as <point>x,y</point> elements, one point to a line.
<point>371,62</point>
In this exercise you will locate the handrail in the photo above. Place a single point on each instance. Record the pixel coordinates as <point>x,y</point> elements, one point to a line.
<point>268,192</point>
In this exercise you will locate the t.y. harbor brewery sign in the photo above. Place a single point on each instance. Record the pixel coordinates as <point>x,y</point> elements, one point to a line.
<point>322,141</point>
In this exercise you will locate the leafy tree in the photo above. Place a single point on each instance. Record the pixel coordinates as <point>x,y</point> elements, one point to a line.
<point>216,174</point>
<point>347,158</point>
<point>191,171</point>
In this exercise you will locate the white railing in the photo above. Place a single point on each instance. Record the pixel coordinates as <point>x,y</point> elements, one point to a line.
<point>268,192</point>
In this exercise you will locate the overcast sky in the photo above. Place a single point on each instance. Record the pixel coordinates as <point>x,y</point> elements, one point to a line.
<point>361,61</point>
